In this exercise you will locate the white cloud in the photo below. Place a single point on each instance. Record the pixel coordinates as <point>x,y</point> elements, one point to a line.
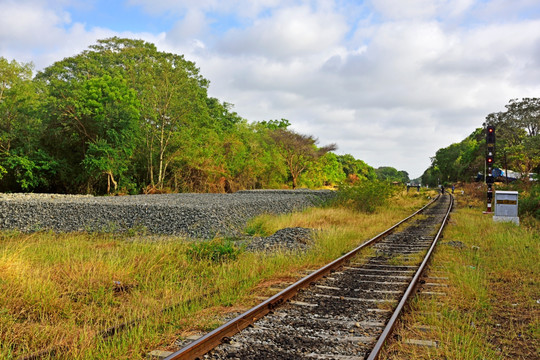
<point>413,86</point>
<point>388,81</point>
<point>242,8</point>
<point>288,32</point>
<point>27,25</point>
<point>409,9</point>
<point>42,32</point>
<point>188,28</point>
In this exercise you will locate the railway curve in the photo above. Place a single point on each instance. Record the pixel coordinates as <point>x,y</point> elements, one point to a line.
<point>345,310</point>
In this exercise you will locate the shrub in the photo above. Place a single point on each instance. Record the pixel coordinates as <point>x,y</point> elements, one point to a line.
<point>530,203</point>
<point>364,196</point>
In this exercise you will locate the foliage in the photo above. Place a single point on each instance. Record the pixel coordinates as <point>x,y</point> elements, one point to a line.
<point>517,146</point>
<point>151,95</point>
<point>29,173</point>
<point>122,117</point>
<point>530,203</point>
<point>457,162</point>
<point>518,137</point>
<point>365,196</point>
<point>114,112</point>
<point>217,250</point>
<point>387,173</point>
<point>276,124</point>
<point>356,169</point>
<point>23,166</point>
<point>299,151</point>
<point>324,172</point>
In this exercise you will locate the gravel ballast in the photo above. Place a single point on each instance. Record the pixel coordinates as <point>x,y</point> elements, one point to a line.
<point>190,215</point>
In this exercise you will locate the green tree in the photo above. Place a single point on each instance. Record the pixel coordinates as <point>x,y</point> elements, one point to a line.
<point>517,132</point>
<point>16,95</point>
<point>325,171</point>
<point>97,123</point>
<point>170,90</point>
<point>113,111</point>
<point>276,124</point>
<point>457,162</point>
<point>23,166</point>
<point>356,169</point>
<point>298,151</point>
<point>388,173</point>
<point>172,95</point>
<point>524,114</point>
<point>123,115</point>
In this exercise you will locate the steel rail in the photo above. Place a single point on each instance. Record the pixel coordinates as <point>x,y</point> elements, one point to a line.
<point>209,341</point>
<point>410,290</point>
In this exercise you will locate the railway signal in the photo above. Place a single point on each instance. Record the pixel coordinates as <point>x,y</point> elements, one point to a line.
<point>490,159</point>
<point>490,135</point>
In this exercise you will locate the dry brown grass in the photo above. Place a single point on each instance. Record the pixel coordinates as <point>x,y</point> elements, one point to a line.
<point>62,290</point>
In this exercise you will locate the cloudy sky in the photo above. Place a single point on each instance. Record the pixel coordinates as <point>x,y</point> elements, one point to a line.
<point>389,81</point>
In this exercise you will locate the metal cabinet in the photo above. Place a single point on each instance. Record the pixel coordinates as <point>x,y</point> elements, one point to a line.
<point>506,206</point>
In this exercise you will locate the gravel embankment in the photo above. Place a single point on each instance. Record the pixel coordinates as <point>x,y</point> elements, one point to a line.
<point>190,215</point>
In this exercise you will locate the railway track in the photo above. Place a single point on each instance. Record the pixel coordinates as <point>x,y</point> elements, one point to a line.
<point>345,310</point>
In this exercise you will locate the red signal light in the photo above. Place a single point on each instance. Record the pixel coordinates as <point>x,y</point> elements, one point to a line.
<point>489,159</point>
<point>490,135</point>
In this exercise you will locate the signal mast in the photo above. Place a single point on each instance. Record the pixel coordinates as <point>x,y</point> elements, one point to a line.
<point>490,158</point>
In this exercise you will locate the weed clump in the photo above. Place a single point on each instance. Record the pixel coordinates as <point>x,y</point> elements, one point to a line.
<point>364,196</point>
<point>217,250</point>
<point>259,226</point>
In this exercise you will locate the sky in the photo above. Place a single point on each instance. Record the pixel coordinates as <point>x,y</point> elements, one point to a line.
<point>389,81</point>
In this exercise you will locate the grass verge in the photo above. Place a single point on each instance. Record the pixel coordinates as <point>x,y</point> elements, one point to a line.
<point>64,291</point>
<point>491,309</point>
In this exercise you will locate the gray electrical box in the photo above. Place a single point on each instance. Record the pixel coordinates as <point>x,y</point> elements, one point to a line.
<point>506,206</point>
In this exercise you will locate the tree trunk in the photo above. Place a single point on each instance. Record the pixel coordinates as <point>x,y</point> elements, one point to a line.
<point>161,151</point>
<point>110,178</point>
<point>150,146</point>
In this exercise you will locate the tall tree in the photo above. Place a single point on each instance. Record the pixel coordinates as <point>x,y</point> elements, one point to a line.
<point>170,90</point>
<point>22,164</point>
<point>518,130</point>
<point>356,169</point>
<point>298,150</point>
<point>524,114</point>
<point>388,173</point>
<point>325,171</point>
<point>114,112</point>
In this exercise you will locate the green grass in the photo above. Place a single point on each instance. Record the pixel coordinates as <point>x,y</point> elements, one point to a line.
<point>63,290</point>
<point>490,310</point>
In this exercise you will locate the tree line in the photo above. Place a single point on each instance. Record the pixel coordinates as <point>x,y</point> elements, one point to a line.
<point>517,146</point>
<point>123,117</point>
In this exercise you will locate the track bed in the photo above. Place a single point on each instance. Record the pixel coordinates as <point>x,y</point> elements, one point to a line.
<point>342,315</point>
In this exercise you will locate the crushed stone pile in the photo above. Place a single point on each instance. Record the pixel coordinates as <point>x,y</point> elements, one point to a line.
<point>190,215</point>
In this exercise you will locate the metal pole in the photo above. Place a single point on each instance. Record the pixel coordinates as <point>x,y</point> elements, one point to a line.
<point>505,168</point>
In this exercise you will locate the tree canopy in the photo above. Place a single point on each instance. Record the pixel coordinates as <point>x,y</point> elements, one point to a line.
<point>124,117</point>
<point>517,146</point>
<point>388,173</point>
